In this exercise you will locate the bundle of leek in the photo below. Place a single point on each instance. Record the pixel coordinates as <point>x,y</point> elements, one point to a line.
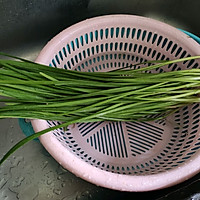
<point>35,91</point>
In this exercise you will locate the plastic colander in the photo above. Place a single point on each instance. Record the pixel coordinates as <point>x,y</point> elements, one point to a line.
<point>128,156</point>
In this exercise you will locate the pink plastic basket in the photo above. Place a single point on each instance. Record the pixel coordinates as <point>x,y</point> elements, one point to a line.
<point>128,156</point>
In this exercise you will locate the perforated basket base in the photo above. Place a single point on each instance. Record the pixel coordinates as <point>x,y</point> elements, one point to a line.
<point>133,148</point>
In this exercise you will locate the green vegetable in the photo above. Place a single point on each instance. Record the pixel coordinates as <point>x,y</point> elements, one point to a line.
<point>35,91</point>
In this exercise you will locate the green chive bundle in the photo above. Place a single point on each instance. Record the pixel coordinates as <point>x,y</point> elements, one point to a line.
<point>35,91</point>
<point>41,92</point>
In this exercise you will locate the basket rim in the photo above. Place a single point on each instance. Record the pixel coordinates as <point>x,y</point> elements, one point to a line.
<point>47,51</point>
<point>96,175</point>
